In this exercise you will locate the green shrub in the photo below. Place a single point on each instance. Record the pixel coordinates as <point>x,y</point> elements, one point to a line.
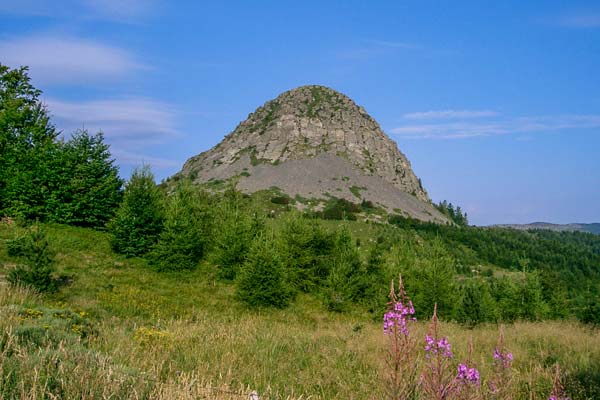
<point>17,247</point>
<point>284,200</point>
<point>139,219</point>
<point>339,209</point>
<point>261,281</point>
<point>367,205</point>
<point>37,259</point>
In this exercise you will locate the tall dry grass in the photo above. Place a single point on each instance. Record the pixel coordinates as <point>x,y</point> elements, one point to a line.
<point>279,355</point>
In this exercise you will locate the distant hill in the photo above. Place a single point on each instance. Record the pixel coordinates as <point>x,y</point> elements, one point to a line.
<point>591,228</point>
<point>314,142</point>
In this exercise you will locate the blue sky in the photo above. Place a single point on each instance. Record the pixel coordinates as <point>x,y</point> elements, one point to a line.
<point>496,104</point>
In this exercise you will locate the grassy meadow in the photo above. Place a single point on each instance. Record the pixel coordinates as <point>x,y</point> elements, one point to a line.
<point>119,329</point>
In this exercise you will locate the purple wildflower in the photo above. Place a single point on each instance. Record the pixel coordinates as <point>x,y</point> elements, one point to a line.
<point>398,318</point>
<point>442,346</point>
<point>467,375</point>
<point>505,358</point>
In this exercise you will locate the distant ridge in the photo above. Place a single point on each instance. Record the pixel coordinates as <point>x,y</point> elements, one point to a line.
<point>590,228</point>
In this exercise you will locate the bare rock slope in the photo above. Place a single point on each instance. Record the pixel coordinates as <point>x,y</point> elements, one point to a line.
<point>315,142</point>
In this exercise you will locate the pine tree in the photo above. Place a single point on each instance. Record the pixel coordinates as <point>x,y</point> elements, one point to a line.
<point>91,192</point>
<point>435,282</point>
<point>308,251</point>
<point>238,226</point>
<point>139,219</point>
<point>36,270</point>
<point>261,282</point>
<point>187,230</point>
<point>28,147</point>
<point>42,177</point>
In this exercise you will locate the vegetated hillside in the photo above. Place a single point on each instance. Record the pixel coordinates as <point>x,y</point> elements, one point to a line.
<point>591,228</point>
<point>567,264</point>
<point>120,328</point>
<point>314,142</point>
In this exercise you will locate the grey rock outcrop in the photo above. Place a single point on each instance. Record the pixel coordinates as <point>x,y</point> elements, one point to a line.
<point>315,142</point>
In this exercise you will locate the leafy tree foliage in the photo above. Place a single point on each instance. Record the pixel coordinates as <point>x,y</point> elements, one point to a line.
<point>187,227</point>
<point>44,178</point>
<point>139,219</point>
<point>28,146</point>
<point>261,282</point>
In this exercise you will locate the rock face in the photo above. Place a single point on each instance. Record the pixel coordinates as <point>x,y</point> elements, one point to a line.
<point>315,142</point>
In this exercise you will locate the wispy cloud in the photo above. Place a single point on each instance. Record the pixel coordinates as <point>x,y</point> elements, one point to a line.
<point>113,10</point>
<point>131,121</point>
<point>67,60</point>
<point>373,48</point>
<point>497,126</point>
<point>579,20</point>
<point>121,10</point>
<point>132,158</point>
<point>451,114</point>
<point>395,45</point>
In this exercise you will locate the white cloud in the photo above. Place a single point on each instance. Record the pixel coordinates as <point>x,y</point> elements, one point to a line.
<point>131,121</point>
<point>373,48</point>
<point>125,157</point>
<point>581,20</point>
<point>451,114</point>
<point>122,10</point>
<point>397,45</point>
<point>522,125</point>
<point>114,10</point>
<point>131,126</point>
<point>67,60</point>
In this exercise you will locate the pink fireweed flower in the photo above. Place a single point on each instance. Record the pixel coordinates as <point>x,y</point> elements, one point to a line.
<point>442,346</point>
<point>467,375</point>
<point>398,318</point>
<point>505,358</point>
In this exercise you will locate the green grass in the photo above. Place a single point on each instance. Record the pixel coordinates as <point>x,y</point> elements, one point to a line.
<point>121,328</point>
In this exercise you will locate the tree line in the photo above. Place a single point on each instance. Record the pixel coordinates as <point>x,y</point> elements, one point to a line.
<point>44,177</point>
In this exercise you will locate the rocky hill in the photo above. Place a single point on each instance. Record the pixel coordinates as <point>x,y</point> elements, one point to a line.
<point>316,143</point>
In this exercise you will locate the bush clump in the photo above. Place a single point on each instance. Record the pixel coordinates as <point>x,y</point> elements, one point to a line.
<point>339,209</point>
